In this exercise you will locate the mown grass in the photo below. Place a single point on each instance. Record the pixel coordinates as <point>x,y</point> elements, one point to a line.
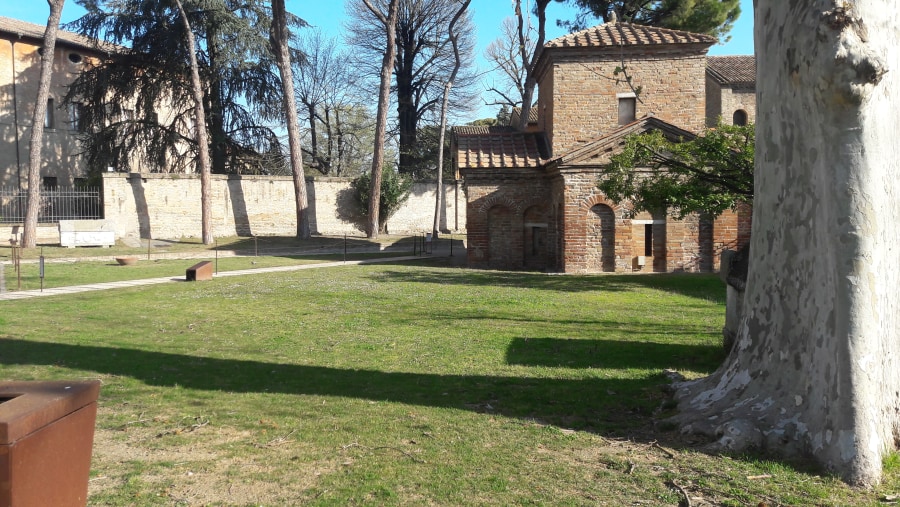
<point>405,384</point>
<point>66,266</point>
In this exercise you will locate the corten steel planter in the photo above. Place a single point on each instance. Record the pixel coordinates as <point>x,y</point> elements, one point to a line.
<point>46,435</point>
<point>126,261</point>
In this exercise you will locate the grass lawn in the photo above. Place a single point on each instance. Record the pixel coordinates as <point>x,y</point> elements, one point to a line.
<point>66,266</point>
<point>404,384</point>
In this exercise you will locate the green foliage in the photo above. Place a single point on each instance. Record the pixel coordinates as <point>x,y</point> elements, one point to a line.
<point>713,17</point>
<point>422,157</point>
<point>707,174</point>
<point>395,189</point>
<point>135,107</point>
<point>483,122</point>
<point>503,115</point>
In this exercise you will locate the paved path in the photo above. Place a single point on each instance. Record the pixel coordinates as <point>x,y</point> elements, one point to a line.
<point>56,291</point>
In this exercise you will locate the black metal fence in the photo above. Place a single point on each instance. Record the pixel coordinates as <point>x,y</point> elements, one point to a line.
<point>56,204</point>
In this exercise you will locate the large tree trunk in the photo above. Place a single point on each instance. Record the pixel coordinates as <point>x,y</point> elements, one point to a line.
<point>32,207</point>
<point>814,370</point>
<point>283,57</point>
<point>199,129</point>
<point>384,96</point>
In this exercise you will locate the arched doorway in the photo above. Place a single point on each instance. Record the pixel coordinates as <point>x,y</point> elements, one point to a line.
<point>602,239</point>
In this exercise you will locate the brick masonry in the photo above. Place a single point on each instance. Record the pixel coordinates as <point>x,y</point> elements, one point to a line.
<point>554,218</point>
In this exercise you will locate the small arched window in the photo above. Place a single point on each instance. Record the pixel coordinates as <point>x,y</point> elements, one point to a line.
<point>739,118</point>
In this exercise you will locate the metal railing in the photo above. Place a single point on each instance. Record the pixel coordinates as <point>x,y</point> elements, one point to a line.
<point>56,204</point>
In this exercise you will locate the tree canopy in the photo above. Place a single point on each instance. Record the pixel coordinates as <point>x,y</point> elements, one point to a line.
<point>713,17</point>
<point>424,61</point>
<point>707,174</point>
<point>135,103</point>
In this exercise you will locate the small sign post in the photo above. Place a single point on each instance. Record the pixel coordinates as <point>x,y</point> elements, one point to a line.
<point>42,269</point>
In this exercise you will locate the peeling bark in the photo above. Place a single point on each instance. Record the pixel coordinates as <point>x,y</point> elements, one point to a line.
<point>814,370</point>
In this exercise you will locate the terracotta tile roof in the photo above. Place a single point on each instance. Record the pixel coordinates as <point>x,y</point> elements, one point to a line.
<point>24,29</point>
<point>499,147</point>
<point>732,70</point>
<point>516,111</point>
<point>627,34</point>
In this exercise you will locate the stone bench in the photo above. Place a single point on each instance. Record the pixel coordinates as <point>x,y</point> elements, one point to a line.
<point>200,271</point>
<point>74,233</point>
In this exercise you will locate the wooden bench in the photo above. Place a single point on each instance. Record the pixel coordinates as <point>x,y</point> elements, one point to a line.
<point>199,272</point>
<point>74,233</point>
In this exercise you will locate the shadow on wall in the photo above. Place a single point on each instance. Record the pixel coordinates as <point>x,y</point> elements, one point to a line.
<point>347,209</point>
<point>239,207</point>
<point>140,202</point>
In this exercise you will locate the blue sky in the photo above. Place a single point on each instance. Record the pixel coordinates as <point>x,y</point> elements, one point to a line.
<point>329,15</point>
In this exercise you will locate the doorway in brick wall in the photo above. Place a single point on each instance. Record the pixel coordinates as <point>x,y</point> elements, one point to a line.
<point>535,238</point>
<point>601,241</point>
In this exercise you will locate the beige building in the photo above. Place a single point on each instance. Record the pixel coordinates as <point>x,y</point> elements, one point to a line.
<point>20,43</point>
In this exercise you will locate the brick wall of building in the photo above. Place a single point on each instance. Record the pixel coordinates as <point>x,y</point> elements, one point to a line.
<point>584,93</point>
<point>503,209</point>
<point>734,99</point>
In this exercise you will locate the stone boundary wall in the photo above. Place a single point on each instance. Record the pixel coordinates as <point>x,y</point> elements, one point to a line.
<point>167,206</point>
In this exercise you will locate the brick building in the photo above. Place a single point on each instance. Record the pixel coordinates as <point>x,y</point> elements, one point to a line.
<point>532,197</point>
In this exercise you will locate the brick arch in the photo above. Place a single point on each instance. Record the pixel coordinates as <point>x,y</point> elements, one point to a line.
<point>536,244</point>
<point>496,200</point>
<point>589,202</point>
<point>601,239</point>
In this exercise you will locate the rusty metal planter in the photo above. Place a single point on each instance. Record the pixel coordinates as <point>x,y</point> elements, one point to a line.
<point>46,436</point>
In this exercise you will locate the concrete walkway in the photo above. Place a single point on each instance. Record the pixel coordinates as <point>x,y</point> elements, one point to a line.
<point>74,289</point>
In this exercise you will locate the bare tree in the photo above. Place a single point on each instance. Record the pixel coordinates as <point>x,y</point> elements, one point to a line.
<point>37,130</point>
<point>813,371</point>
<point>389,23</point>
<point>279,38</point>
<point>329,107</point>
<point>504,53</point>
<point>423,61</point>
<point>199,128</point>
<point>454,42</point>
<point>529,61</point>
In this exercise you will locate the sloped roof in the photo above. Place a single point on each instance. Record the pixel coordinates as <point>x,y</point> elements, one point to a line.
<point>24,29</point>
<point>732,70</point>
<point>499,147</point>
<point>591,150</point>
<point>517,111</point>
<point>627,34</point>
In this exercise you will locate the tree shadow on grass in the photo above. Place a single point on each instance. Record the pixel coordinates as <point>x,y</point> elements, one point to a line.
<point>703,286</point>
<point>607,405</point>
<point>614,354</point>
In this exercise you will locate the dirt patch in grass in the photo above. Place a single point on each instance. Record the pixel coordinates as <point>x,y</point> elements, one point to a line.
<point>201,465</point>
